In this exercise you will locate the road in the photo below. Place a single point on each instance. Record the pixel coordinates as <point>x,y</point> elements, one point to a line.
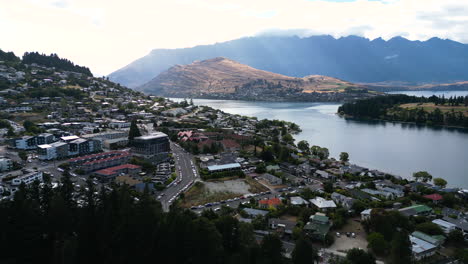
<point>187,174</point>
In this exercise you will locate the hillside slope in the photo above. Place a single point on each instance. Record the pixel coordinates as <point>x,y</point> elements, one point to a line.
<point>225,76</point>
<point>350,58</point>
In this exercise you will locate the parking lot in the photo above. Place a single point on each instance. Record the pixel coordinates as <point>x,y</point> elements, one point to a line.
<point>344,243</point>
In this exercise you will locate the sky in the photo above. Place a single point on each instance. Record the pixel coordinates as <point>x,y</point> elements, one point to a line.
<point>106,35</point>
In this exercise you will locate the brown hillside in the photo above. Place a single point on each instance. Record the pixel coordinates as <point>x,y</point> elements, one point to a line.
<point>222,75</point>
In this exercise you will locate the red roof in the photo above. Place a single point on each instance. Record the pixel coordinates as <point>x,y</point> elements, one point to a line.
<point>96,156</point>
<point>229,143</point>
<point>434,197</point>
<point>270,202</point>
<point>112,170</point>
<point>107,159</point>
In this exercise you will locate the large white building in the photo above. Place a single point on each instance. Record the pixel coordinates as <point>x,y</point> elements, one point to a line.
<point>28,178</point>
<point>52,151</point>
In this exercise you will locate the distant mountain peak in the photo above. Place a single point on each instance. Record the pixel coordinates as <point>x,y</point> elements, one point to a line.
<point>352,58</point>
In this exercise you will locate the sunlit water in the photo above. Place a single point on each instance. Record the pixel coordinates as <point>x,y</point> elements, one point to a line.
<point>396,148</point>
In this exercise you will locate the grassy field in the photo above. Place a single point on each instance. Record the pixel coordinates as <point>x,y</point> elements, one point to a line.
<point>429,107</point>
<point>34,117</point>
<point>198,194</point>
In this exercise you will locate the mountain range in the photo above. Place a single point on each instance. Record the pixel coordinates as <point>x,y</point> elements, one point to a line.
<point>351,58</point>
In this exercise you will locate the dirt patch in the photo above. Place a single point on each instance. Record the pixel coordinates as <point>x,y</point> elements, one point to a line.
<point>289,218</point>
<point>200,194</point>
<point>255,186</point>
<point>235,186</point>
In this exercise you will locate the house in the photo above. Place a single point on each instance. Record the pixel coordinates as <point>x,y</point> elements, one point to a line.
<point>447,227</point>
<point>435,240</point>
<point>435,197</point>
<point>345,201</point>
<point>271,179</point>
<point>451,212</point>
<point>416,210</point>
<point>421,249</point>
<point>383,194</point>
<point>358,194</point>
<point>366,214</point>
<point>318,226</point>
<point>281,226</point>
<point>252,213</point>
<point>297,200</point>
<point>460,224</point>
<point>272,168</point>
<point>322,204</point>
<point>416,186</point>
<point>396,192</point>
<point>322,174</point>
<point>270,203</point>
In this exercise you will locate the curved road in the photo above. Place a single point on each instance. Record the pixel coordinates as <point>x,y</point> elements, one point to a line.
<point>187,174</point>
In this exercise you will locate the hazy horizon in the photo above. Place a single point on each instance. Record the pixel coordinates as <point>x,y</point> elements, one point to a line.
<point>106,37</point>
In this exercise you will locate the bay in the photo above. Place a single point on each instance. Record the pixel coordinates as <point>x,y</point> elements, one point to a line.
<point>393,147</point>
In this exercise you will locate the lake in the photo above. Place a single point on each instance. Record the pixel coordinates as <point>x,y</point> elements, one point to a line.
<point>397,148</point>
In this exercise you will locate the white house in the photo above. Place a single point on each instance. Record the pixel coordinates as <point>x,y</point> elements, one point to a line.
<point>323,204</point>
<point>421,249</point>
<point>444,225</point>
<point>366,214</point>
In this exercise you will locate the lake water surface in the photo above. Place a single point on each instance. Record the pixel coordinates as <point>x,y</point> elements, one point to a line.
<point>396,148</point>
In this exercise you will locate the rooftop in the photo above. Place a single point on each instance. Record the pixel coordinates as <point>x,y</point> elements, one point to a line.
<point>152,136</point>
<point>434,197</point>
<point>420,246</point>
<point>224,166</point>
<point>112,170</point>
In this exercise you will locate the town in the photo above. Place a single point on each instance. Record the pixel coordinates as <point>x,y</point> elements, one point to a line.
<point>63,126</point>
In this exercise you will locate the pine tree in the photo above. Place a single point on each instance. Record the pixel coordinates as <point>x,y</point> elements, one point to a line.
<point>134,131</point>
<point>401,248</point>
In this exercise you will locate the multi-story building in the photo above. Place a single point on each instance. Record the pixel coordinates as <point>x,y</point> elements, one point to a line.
<point>57,150</point>
<point>5,164</point>
<point>28,178</point>
<point>83,146</point>
<point>26,142</point>
<point>106,175</point>
<point>154,147</point>
<point>107,135</point>
<point>119,124</point>
<point>44,138</point>
<point>100,161</point>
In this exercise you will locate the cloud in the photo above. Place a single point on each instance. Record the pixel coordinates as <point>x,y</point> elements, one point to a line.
<point>106,35</point>
<point>391,57</point>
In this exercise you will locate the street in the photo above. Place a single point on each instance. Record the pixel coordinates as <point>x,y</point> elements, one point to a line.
<point>186,175</point>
